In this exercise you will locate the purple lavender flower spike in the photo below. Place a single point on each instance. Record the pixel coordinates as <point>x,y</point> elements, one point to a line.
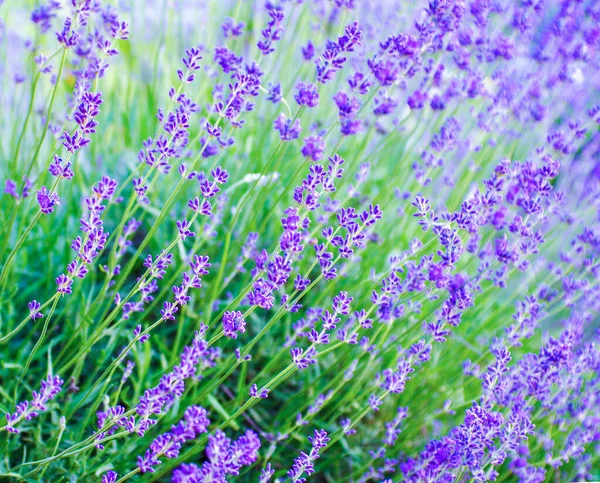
<point>109,477</point>
<point>333,59</point>
<point>306,94</point>
<point>304,464</point>
<point>27,410</point>
<point>255,392</point>
<point>314,147</point>
<point>233,323</point>
<point>231,28</point>
<point>47,200</point>
<point>272,33</point>
<point>223,457</point>
<point>288,130</point>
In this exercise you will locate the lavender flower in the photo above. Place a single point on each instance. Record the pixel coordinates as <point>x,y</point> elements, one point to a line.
<point>169,444</point>
<point>313,148</point>
<point>109,477</point>
<point>272,33</point>
<point>47,200</point>
<point>233,323</point>
<point>288,130</point>
<point>332,59</point>
<point>10,188</point>
<point>231,28</point>
<point>306,94</point>
<point>27,410</point>
<point>255,392</point>
<point>305,462</point>
<point>224,457</point>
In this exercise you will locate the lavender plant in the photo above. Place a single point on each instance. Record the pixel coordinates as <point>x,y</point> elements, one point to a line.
<point>336,240</point>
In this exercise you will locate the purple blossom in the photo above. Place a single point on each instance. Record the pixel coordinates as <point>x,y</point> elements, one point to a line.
<point>43,15</point>
<point>155,400</point>
<point>288,130</point>
<point>109,477</point>
<point>272,33</point>
<point>332,59</point>
<point>183,228</point>
<point>34,312</point>
<point>223,457</point>
<point>304,464</point>
<point>10,188</point>
<point>417,100</point>
<point>306,94</point>
<point>169,444</point>
<point>228,61</point>
<point>87,110</point>
<point>231,28</point>
<point>28,410</point>
<point>314,147</point>
<point>303,359</point>
<point>63,284</point>
<point>266,473</point>
<point>47,200</point>
<point>61,169</point>
<point>359,83</point>
<point>275,94</point>
<point>255,392</point>
<point>308,52</point>
<point>233,323</point>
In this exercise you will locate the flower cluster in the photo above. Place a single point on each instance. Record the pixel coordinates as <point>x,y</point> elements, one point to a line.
<point>224,457</point>
<point>405,254</point>
<point>272,33</point>
<point>169,444</point>
<point>305,462</point>
<point>158,399</point>
<point>27,410</point>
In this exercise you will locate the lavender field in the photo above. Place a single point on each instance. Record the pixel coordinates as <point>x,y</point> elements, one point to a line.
<point>299,240</point>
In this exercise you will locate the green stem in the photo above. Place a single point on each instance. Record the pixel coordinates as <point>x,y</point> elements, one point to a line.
<point>48,114</point>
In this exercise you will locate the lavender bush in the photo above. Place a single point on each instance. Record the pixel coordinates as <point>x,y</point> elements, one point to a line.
<point>328,240</point>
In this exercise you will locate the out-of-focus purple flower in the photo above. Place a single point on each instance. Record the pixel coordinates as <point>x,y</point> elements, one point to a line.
<point>348,107</point>
<point>10,188</point>
<point>272,33</point>
<point>417,100</point>
<point>255,392</point>
<point>314,147</point>
<point>266,473</point>
<point>306,94</point>
<point>231,28</point>
<point>275,94</point>
<point>43,15</point>
<point>333,59</point>
<point>228,61</point>
<point>359,83</point>
<point>437,103</point>
<point>308,52</point>
<point>109,477</point>
<point>288,130</point>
